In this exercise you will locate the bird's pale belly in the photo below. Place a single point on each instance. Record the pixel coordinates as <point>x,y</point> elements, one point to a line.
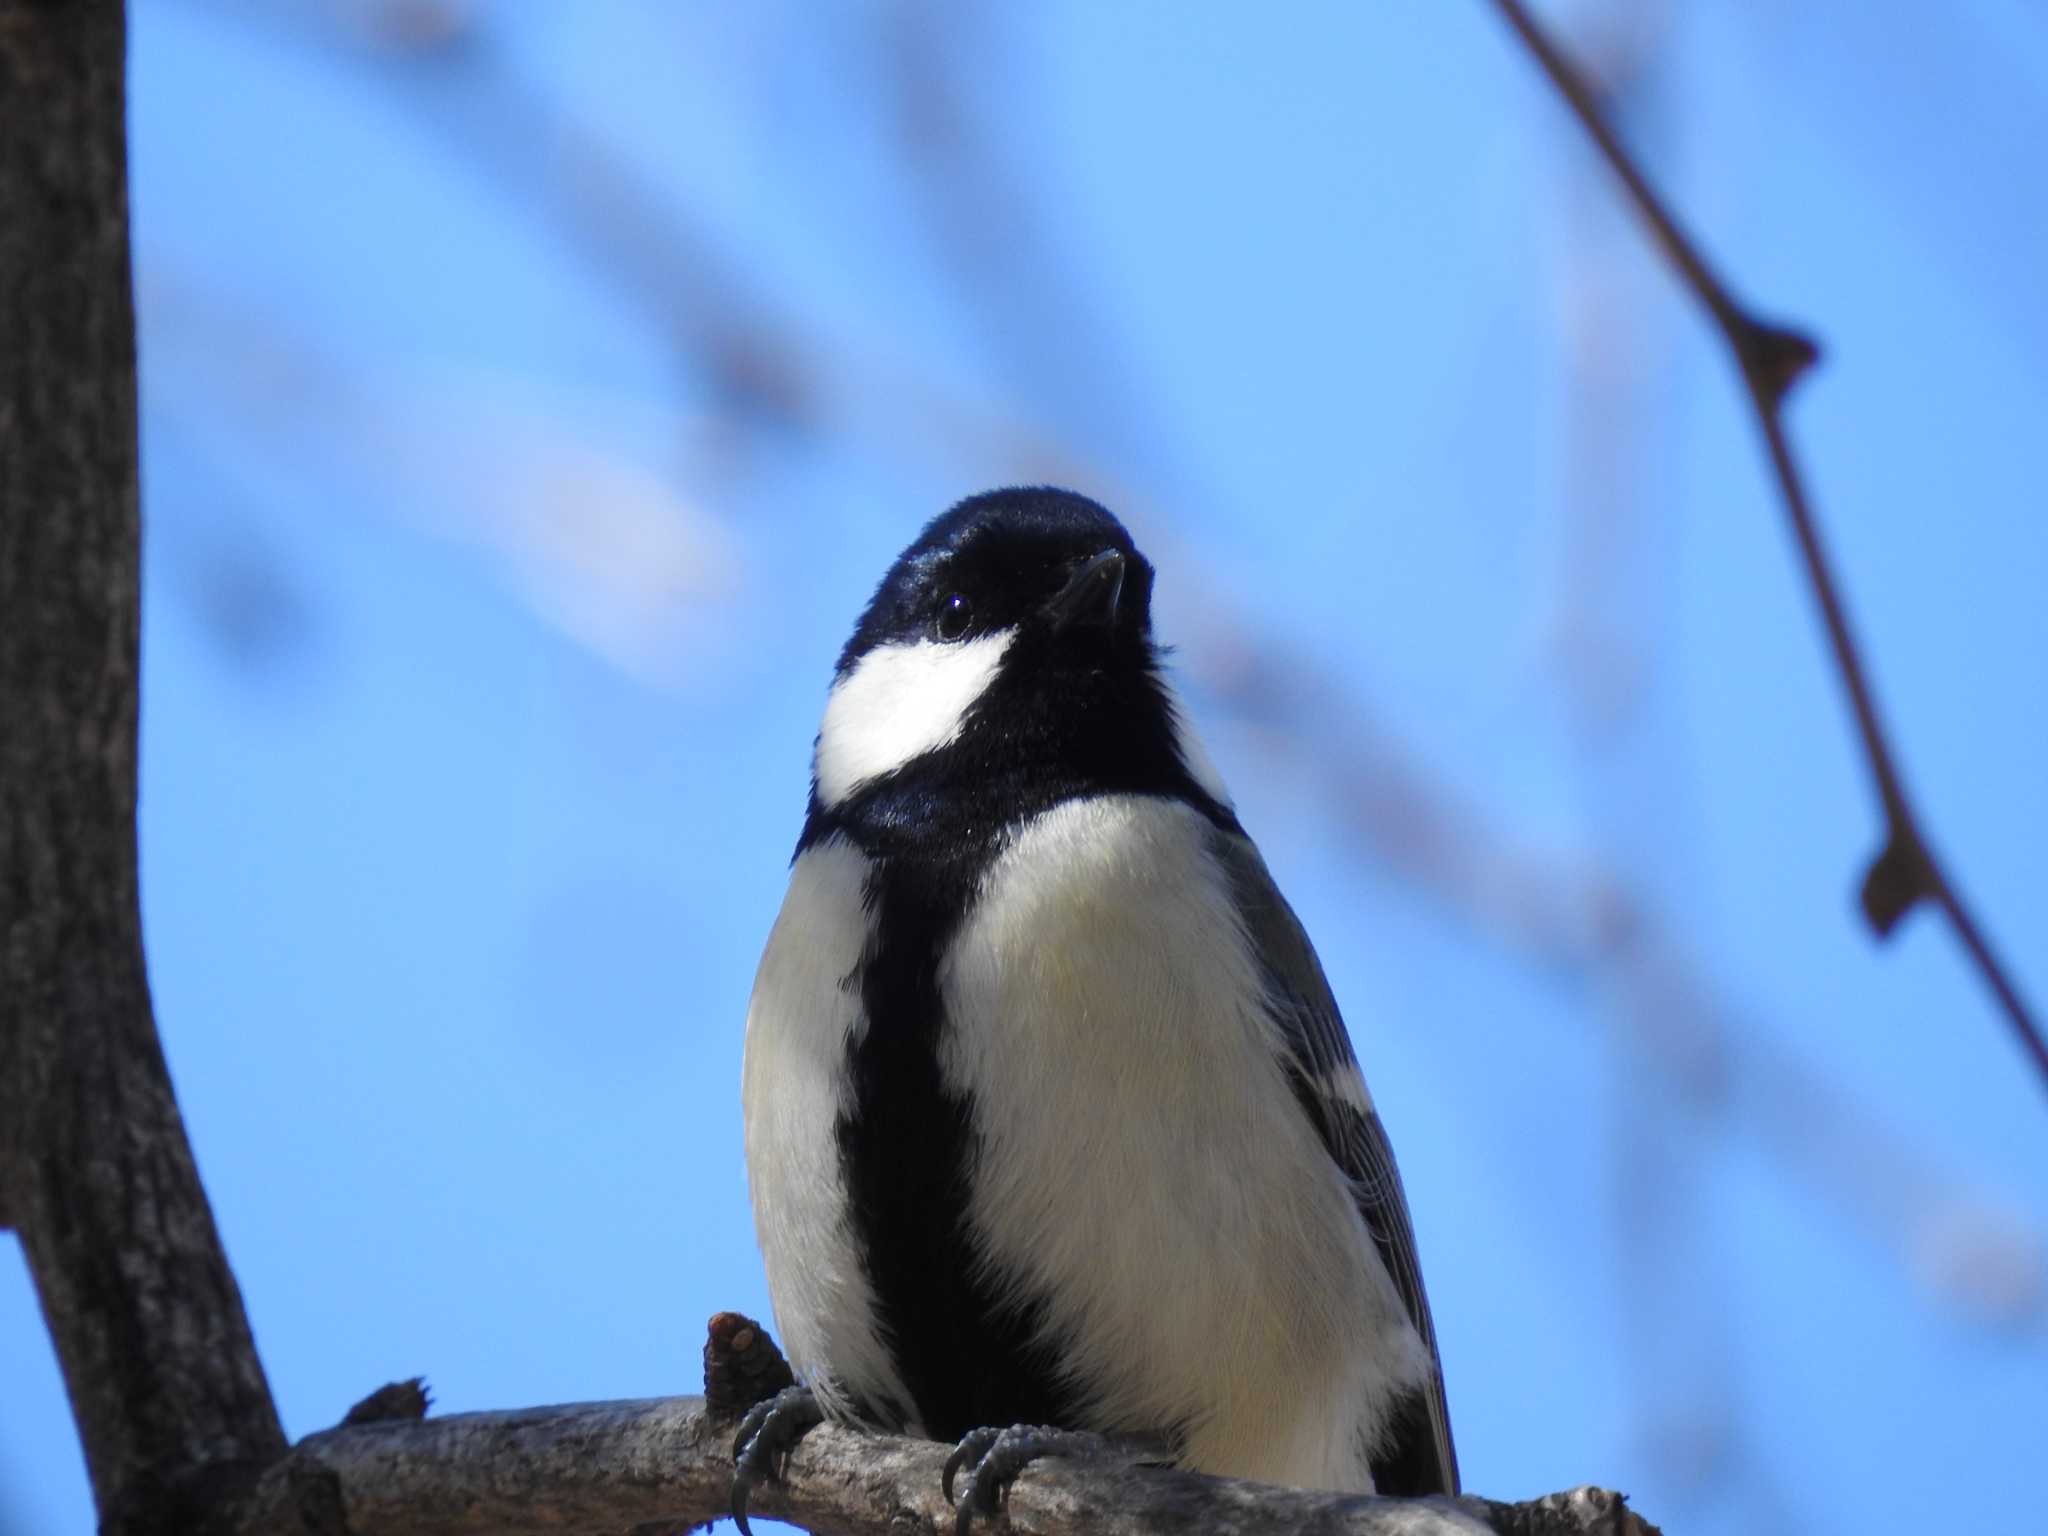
<point>1142,1161</point>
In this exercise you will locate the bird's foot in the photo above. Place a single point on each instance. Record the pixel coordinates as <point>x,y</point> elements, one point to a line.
<point>992,1458</point>
<point>766,1436</point>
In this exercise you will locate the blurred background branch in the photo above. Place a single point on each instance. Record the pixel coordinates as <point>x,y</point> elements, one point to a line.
<point>1581,914</point>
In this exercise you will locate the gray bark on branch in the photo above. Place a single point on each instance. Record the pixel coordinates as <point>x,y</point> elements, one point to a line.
<point>666,1463</point>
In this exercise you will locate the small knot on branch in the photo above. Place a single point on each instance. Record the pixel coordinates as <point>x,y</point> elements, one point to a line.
<point>1571,1514</point>
<point>398,1400</point>
<point>1774,356</point>
<point>1899,879</point>
<point>742,1366</point>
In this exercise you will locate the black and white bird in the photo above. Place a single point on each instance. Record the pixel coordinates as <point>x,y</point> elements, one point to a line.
<point>1051,1118</point>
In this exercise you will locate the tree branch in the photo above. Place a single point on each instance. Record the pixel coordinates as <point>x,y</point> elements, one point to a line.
<point>95,1171</point>
<point>1905,871</point>
<point>667,1462</point>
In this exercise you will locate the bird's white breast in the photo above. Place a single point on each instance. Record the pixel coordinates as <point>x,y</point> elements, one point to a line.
<point>805,1011</point>
<point>1144,1165</point>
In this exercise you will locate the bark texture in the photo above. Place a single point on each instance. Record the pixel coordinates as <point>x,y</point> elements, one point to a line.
<point>665,1465</point>
<point>95,1171</point>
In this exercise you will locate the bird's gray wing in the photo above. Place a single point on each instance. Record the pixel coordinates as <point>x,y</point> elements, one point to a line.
<point>1420,1458</point>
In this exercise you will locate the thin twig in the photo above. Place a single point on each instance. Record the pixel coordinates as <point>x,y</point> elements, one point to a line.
<point>1773,357</point>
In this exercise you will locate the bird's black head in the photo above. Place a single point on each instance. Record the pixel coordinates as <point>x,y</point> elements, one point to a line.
<point>1004,664</point>
<point>1041,563</point>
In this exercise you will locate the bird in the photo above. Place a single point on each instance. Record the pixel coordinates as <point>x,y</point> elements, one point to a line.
<point>1055,1138</point>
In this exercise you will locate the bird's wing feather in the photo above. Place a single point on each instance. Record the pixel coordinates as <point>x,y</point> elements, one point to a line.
<point>1332,1091</point>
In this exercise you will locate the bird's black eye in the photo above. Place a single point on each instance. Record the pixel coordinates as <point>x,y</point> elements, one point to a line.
<point>956,613</point>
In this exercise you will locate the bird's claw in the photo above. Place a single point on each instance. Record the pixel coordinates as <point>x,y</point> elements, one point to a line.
<point>972,1448</point>
<point>766,1436</point>
<point>992,1458</point>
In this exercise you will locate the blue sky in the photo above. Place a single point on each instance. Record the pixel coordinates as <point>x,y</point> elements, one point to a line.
<point>528,413</point>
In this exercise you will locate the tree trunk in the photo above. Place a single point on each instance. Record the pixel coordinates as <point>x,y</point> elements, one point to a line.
<point>95,1171</point>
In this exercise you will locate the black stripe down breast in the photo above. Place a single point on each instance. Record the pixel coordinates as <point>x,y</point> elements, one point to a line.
<point>967,1356</point>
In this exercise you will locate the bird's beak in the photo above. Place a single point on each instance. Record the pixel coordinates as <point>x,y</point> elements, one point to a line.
<point>1092,596</point>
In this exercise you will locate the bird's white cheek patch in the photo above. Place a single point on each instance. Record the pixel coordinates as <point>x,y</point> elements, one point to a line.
<point>898,703</point>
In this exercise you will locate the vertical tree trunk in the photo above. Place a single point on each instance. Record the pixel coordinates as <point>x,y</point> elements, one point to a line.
<point>95,1172</point>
